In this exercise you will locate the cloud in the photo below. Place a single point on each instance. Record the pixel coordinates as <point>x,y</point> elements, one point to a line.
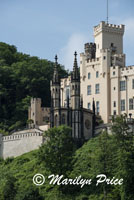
<point>75,43</point>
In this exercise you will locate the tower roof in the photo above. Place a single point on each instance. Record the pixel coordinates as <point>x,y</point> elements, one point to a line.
<point>75,76</point>
<point>56,79</point>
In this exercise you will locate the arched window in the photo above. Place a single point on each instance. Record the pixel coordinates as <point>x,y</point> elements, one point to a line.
<point>63,120</point>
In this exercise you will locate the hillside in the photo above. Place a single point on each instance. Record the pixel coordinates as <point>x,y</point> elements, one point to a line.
<point>108,155</point>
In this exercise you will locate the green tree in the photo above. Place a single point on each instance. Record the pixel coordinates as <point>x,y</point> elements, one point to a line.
<point>58,150</point>
<point>28,193</point>
<point>9,190</point>
<point>124,139</point>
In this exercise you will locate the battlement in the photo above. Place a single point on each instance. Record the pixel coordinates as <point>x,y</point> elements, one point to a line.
<point>46,109</point>
<point>104,50</point>
<point>119,55</point>
<point>91,44</point>
<point>129,68</point>
<point>93,60</point>
<point>123,71</point>
<point>35,100</point>
<point>20,136</point>
<point>105,27</point>
<point>123,68</point>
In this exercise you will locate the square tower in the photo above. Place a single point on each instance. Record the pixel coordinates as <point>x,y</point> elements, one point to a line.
<point>109,36</point>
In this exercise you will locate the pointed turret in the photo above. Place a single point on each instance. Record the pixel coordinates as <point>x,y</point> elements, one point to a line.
<point>56,79</point>
<point>75,76</point>
<point>75,85</point>
<point>55,86</point>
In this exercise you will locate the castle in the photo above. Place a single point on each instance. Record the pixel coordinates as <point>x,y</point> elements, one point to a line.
<point>104,87</point>
<point>104,75</point>
<point>71,113</point>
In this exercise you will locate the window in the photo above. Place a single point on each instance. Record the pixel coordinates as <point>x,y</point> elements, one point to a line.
<point>97,107</point>
<point>114,112</point>
<point>114,88</point>
<point>89,90</point>
<point>89,75</point>
<point>122,85</point>
<point>131,104</point>
<point>123,105</point>
<point>67,92</point>
<point>114,104</point>
<point>97,74</point>
<point>97,88</point>
<point>113,72</point>
<point>89,106</point>
<point>133,84</point>
<point>104,57</point>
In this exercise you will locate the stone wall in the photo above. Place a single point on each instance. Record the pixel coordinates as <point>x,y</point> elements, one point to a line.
<point>18,144</point>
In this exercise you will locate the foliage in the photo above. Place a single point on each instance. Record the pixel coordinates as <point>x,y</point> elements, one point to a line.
<point>58,150</point>
<point>22,77</point>
<point>3,132</point>
<point>109,154</point>
<point>124,138</point>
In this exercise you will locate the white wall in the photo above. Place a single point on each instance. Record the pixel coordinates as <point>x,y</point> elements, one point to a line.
<point>16,145</point>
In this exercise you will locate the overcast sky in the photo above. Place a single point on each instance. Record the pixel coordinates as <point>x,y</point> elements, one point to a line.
<point>44,28</point>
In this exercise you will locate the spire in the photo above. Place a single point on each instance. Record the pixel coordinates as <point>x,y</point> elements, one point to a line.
<point>55,74</point>
<point>75,60</point>
<point>56,58</point>
<point>75,76</point>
